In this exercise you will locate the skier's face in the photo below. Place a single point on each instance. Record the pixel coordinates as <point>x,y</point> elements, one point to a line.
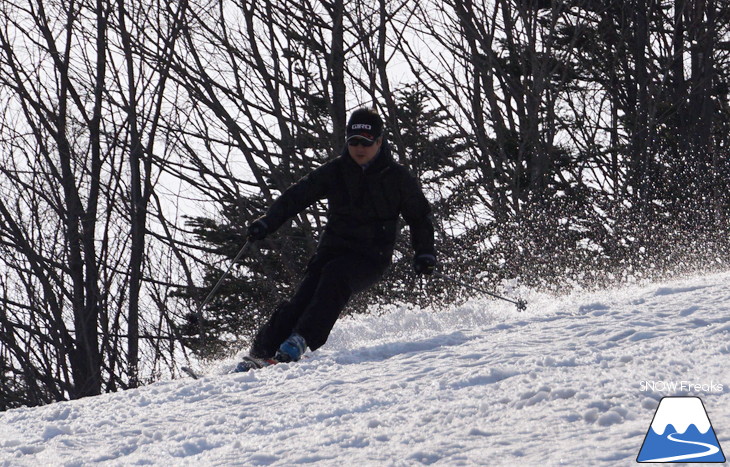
<point>361,153</point>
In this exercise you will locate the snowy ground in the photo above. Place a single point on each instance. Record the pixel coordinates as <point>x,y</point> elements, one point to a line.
<point>566,382</point>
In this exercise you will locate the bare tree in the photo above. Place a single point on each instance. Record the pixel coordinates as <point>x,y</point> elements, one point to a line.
<point>44,144</point>
<point>75,125</point>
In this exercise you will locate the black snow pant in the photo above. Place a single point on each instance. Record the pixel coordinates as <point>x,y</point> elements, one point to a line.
<point>330,279</point>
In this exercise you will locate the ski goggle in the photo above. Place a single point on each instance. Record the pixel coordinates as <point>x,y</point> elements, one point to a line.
<point>353,142</point>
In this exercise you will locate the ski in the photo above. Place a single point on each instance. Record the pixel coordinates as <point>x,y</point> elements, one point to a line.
<point>248,363</point>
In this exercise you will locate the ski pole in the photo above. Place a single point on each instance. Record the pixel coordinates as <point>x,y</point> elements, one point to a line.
<point>217,285</point>
<point>521,304</point>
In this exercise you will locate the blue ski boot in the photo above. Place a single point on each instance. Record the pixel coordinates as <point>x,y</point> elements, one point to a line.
<point>292,349</point>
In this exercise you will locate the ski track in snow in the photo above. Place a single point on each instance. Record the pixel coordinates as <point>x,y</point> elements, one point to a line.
<point>476,384</point>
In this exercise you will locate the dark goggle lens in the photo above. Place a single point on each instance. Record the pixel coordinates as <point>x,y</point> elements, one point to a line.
<point>359,141</point>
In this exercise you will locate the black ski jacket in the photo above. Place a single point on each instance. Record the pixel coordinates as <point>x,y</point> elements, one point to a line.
<point>364,205</point>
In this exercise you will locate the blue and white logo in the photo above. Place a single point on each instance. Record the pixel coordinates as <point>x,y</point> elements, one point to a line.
<point>681,432</point>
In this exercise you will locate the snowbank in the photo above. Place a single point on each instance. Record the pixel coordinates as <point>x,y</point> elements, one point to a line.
<point>572,381</point>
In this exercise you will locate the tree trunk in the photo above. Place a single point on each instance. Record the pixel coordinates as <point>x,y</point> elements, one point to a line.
<point>337,72</point>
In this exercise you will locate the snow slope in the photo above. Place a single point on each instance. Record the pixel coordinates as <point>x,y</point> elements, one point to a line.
<point>573,380</point>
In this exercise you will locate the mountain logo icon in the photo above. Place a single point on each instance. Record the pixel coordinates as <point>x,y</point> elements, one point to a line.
<point>681,432</point>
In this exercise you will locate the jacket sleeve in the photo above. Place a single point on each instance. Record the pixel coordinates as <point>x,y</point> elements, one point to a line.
<point>417,213</point>
<point>298,197</point>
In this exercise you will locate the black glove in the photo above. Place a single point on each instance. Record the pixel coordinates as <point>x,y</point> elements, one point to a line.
<point>257,230</point>
<point>424,264</point>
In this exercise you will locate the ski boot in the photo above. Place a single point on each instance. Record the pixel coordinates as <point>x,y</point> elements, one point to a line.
<point>291,350</point>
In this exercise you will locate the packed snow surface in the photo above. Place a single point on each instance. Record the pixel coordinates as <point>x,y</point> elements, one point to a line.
<point>574,380</point>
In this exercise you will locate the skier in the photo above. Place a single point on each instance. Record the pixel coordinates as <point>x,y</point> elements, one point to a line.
<point>366,191</point>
